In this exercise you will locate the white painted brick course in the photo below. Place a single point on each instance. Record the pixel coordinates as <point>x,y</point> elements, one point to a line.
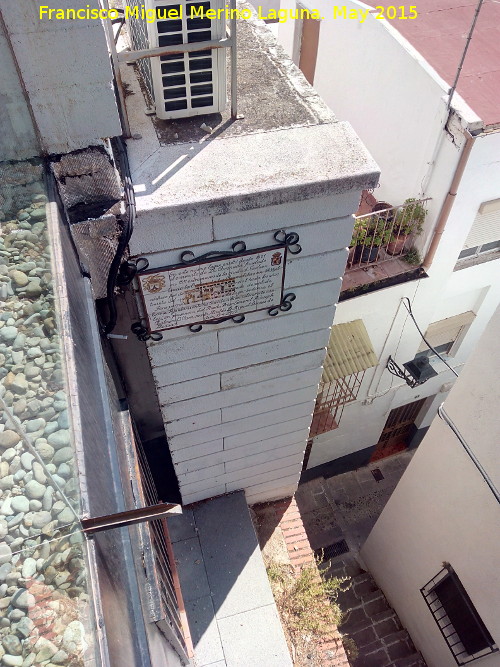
<point>241,358</point>
<point>202,485</point>
<point>272,369</point>
<point>323,267</point>
<point>244,461</point>
<point>185,233</point>
<point>269,404</point>
<point>224,399</point>
<point>192,423</point>
<point>191,347</point>
<point>290,461</point>
<point>278,429</point>
<point>200,463</point>
<point>207,473</point>
<point>242,426</point>
<point>195,496</point>
<point>205,449</point>
<point>292,439</point>
<point>182,391</point>
<point>276,328</point>
<point>249,462</point>
<point>282,476</point>
<point>286,216</point>
<point>316,238</point>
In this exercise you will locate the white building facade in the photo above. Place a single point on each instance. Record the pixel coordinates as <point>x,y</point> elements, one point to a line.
<point>373,77</point>
<point>445,510</point>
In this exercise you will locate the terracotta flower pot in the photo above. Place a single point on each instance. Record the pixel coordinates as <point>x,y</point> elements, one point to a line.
<point>396,247</point>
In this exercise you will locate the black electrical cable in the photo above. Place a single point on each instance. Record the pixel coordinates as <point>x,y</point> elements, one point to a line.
<point>128,228</point>
<point>410,312</point>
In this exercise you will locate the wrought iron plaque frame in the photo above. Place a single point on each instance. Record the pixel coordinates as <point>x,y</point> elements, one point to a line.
<point>211,284</point>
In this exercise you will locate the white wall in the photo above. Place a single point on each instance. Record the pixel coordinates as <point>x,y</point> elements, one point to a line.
<point>370,75</point>
<point>442,510</point>
<point>67,75</point>
<point>237,399</point>
<point>397,107</point>
<point>393,333</point>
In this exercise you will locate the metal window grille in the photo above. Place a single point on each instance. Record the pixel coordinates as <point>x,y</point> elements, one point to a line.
<point>457,619</point>
<point>164,602</point>
<point>330,402</point>
<point>383,235</point>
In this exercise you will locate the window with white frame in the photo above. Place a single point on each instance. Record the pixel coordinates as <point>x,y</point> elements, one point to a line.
<point>446,335</point>
<point>484,236</point>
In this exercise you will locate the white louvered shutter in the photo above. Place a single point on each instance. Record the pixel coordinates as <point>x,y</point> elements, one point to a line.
<point>486,226</point>
<point>193,83</point>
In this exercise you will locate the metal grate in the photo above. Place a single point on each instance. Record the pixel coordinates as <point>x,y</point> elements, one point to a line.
<point>457,619</point>
<point>97,242</point>
<point>330,402</point>
<point>164,584</point>
<point>88,183</point>
<point>138,30</point>
<point>377,474</point>
<point>332,551</point>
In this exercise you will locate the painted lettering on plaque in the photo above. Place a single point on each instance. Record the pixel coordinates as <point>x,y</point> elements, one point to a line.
<point>180,296</point>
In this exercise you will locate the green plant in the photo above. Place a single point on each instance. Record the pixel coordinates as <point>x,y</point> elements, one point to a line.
<point>409,218</point>
<point>307,602</point>
<point>370,231</point>
<point>413,257</point>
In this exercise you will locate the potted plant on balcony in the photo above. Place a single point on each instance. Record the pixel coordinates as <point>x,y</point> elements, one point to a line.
<point>370,234</point>
<point>409,221</point>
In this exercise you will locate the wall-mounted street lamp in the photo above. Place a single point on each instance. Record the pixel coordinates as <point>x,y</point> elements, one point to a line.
<point>419,370</point>
<point>414,372</point>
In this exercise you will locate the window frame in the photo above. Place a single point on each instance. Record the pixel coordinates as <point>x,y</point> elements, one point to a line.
<point>478,251</point>
<point>449,632</point>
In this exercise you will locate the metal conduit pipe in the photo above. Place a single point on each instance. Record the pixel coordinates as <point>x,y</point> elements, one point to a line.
<point>449,200</point>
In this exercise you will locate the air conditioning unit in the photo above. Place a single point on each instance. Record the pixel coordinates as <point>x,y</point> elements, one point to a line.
<point>181,84</point>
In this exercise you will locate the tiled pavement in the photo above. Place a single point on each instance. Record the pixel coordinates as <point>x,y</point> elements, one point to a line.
<point>346,507</point>
<point>226,592</point>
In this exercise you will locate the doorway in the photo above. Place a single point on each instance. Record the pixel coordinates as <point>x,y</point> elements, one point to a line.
<point>397,431</point>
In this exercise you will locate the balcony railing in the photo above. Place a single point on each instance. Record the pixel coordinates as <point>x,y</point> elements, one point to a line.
<point>387,233</point>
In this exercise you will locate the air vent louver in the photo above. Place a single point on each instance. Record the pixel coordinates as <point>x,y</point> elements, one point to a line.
<point>181,84</point>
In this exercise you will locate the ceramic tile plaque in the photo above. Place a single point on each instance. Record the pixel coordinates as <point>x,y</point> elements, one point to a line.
<point>214,289</point>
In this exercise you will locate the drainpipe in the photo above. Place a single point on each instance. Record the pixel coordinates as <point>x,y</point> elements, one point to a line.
<point>450,198</point>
